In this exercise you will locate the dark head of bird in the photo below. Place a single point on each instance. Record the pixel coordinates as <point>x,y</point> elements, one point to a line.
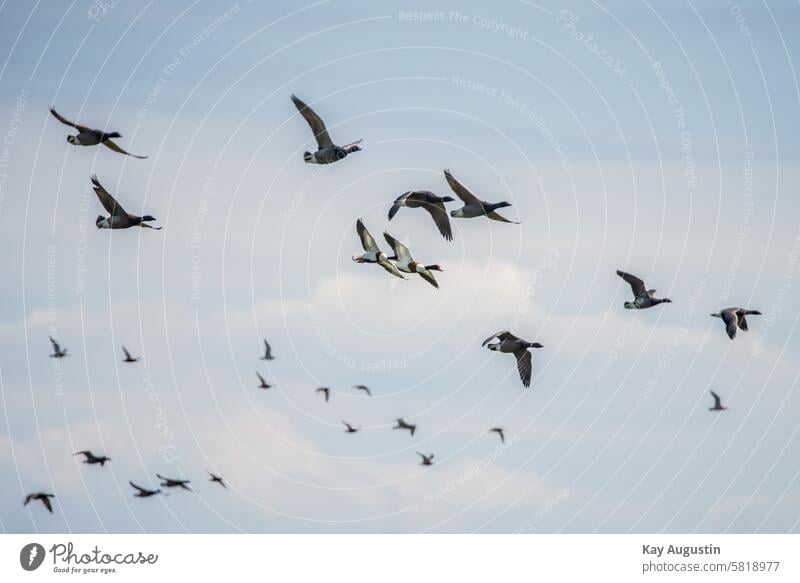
<point>434,267</point>
<point>308,156</point>
<point>534,345</point>
<point>447,199</point>
<point>112,135</point>
<point>148,218</point>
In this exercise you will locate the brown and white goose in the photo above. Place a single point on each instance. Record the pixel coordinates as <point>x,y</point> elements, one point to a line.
<point>372,253</point>
<point>405,262</point>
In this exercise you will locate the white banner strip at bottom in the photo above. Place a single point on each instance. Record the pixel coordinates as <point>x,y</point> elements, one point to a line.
<point>389,558</point>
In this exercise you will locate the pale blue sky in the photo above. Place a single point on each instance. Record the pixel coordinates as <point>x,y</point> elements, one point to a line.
<point>581,136</point>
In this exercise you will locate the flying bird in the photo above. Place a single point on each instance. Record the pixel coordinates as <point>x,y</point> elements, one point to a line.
<point>58,352</point>
<point>473,206</point>
<point>325,391</point>
<point>364,389</point>
<point>427,460</point>
<point>373,254</point>
<point>119,219</point>
<point>499,431</point>
<point>44,498</point>
<point>717,403</point>
<point>734,319</point>
<point>128,357</point>
<point>144,492</point>
<point>430,202</point>
<point>327,152</point>
<point>87,136</point>
<point>171,483</point>
<point>263,384</point>
<point>404,261</point>
<point>217,479</point>
<point>267,351</point>
<point>350,428</point>
<point>642,297</point>
<point>93,459</point>
<point>509,343</point>
<point>401,424</point>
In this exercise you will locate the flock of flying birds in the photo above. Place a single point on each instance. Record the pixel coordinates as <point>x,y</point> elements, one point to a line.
<point>401,261</point>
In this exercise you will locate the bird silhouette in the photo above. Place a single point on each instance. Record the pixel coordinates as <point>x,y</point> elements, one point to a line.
<point>44,498</point>
<point>128,357</point>
<point>57,350</point>
<point>427,460</point>
<point>717,403</point>
<point>499,431</point>
<point>144,492</point>
<point>263,384</point>
<point>350,428</point>
<point>401,424</point>
<point>93,459</point>
<point>325,391</point>
<point>217,479</point>
<point>267,351</point>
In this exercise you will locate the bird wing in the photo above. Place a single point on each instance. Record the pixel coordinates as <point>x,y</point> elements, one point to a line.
<point>400,250</point>
<point>316,123</point>
<point>367,242</point>
<point>391,268</point>
<point>524,366</point>
<point>65,121</point>
<point>263,382</point>
<point>108,201</point>
<point>428,276</point>
<point>459,189</point>
<point>142,490</point>
<point>267,349</point>
<point>108,143</point>
<point>731,322</point>
<point>496,217</point>
<point>439,215</point>
<point>46,501</point>
<point>637,285</point>
<point>85,452</point>
<point>717,400</point>
<point>127,354</point>
<point>56,347</point>
<point>741,321</point>
<point>502,335</point>
<point>398,202</point>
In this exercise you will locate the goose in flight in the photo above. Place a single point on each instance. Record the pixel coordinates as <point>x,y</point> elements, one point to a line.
<point>267,351</point>
<point>717,403</point>
<point>327,152</point>
<point>143,492</point>
<point>58,352</point>
<point>734,319</point>
<point>170,483</point>
<point>430,202</point>
<point>473,206</point>
<point>363,388</point>
<point>44,498</point>
<point>217,479</point>
<point>372,254</point>
<point>350,428</point>
<point>401,424</point>
<point>87,136</point>
<point>263,384</point>
<point>509,343</point>
<point>427,460</point>
<point>128,357</point>
<point>499,431</point>
<point>93,459</point>
<point>405,263</point>
<point>642,297</point>
<point>119,219</point>
<point>325,391</point>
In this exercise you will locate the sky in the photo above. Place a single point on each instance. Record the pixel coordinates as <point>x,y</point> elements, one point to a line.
<point>655,138</point>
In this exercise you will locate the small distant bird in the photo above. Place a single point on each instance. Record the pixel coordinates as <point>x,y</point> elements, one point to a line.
<point>734,319</point>
<point>93,459</point>
<point>642,297</point>
<point>499,431</point>
<point>363,388</point>
<point>119,219</point>
<point>509,343</point>
<point>325,391</point>
<point>401,424</point>
<point>171,483</point>
<point>128,357</point>
<point>57,351</point>
<point>473,206</point>
<point>404,261</point>
<point>427,460</point>
<point>263,384</point>
<point>144,492</point>
<point>350,428</point>
<point>432,203</point>
<point>717,403</point>
<point>267,351</point>
<point>217,479</point>
<point>327,152</point>
<point>44,498</point>
<point>372,253</point>
<point>90,137</point>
